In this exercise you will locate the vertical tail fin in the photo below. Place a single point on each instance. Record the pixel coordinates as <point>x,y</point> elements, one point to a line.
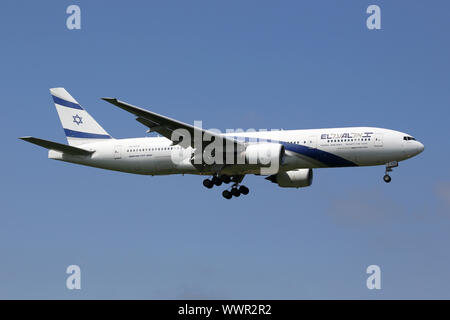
<point>79,126</point>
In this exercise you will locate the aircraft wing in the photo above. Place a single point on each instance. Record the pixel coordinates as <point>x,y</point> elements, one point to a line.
<point>167,126</point>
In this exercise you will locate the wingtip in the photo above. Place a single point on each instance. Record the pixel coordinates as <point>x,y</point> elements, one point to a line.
<point>25,138</point>
<point>109,99</point>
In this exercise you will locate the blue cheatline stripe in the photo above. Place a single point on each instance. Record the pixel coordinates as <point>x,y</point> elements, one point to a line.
<point>327,158</point>
<point>79,134</point>
<point>66,103</point>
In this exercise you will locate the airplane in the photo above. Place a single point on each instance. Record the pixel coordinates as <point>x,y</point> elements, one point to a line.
<point>284,157</point>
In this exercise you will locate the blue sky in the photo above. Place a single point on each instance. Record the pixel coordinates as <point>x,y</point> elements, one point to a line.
<point>231,64</point>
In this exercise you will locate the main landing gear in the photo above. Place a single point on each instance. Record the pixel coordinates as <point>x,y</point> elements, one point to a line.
<point>387,178</point>
<point>236,189</point>
<point>216,181</point>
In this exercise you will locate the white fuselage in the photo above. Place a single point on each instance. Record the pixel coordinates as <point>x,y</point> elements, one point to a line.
<point>314,148</point>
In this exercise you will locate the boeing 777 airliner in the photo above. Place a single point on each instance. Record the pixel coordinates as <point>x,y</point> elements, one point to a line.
<point>285,157</point>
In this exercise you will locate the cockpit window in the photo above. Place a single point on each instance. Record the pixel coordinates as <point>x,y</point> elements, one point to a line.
<point>406,138</point>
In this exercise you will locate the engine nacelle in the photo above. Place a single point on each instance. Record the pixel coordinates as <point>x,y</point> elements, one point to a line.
<point>293,179</point>
<point>267,156</point>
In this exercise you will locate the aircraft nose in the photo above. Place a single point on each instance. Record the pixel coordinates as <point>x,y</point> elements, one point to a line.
<point>420,147</point>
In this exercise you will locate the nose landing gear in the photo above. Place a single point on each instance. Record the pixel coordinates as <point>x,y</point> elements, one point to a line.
<point>387,178</point>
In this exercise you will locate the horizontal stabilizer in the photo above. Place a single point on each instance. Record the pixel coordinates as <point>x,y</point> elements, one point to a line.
<point>58,146</point>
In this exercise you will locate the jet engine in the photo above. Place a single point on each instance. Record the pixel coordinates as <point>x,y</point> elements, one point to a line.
<point>268,156</point>
<point>293,179</point>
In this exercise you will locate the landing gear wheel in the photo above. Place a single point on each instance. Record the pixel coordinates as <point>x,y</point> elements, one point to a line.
<point>227,194</point>
<point>225,179</point>
<point>389,166</point>
<point>235,192</point>
<point>215,180</point>
<point>244,190</point>
<point>208,183</point>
